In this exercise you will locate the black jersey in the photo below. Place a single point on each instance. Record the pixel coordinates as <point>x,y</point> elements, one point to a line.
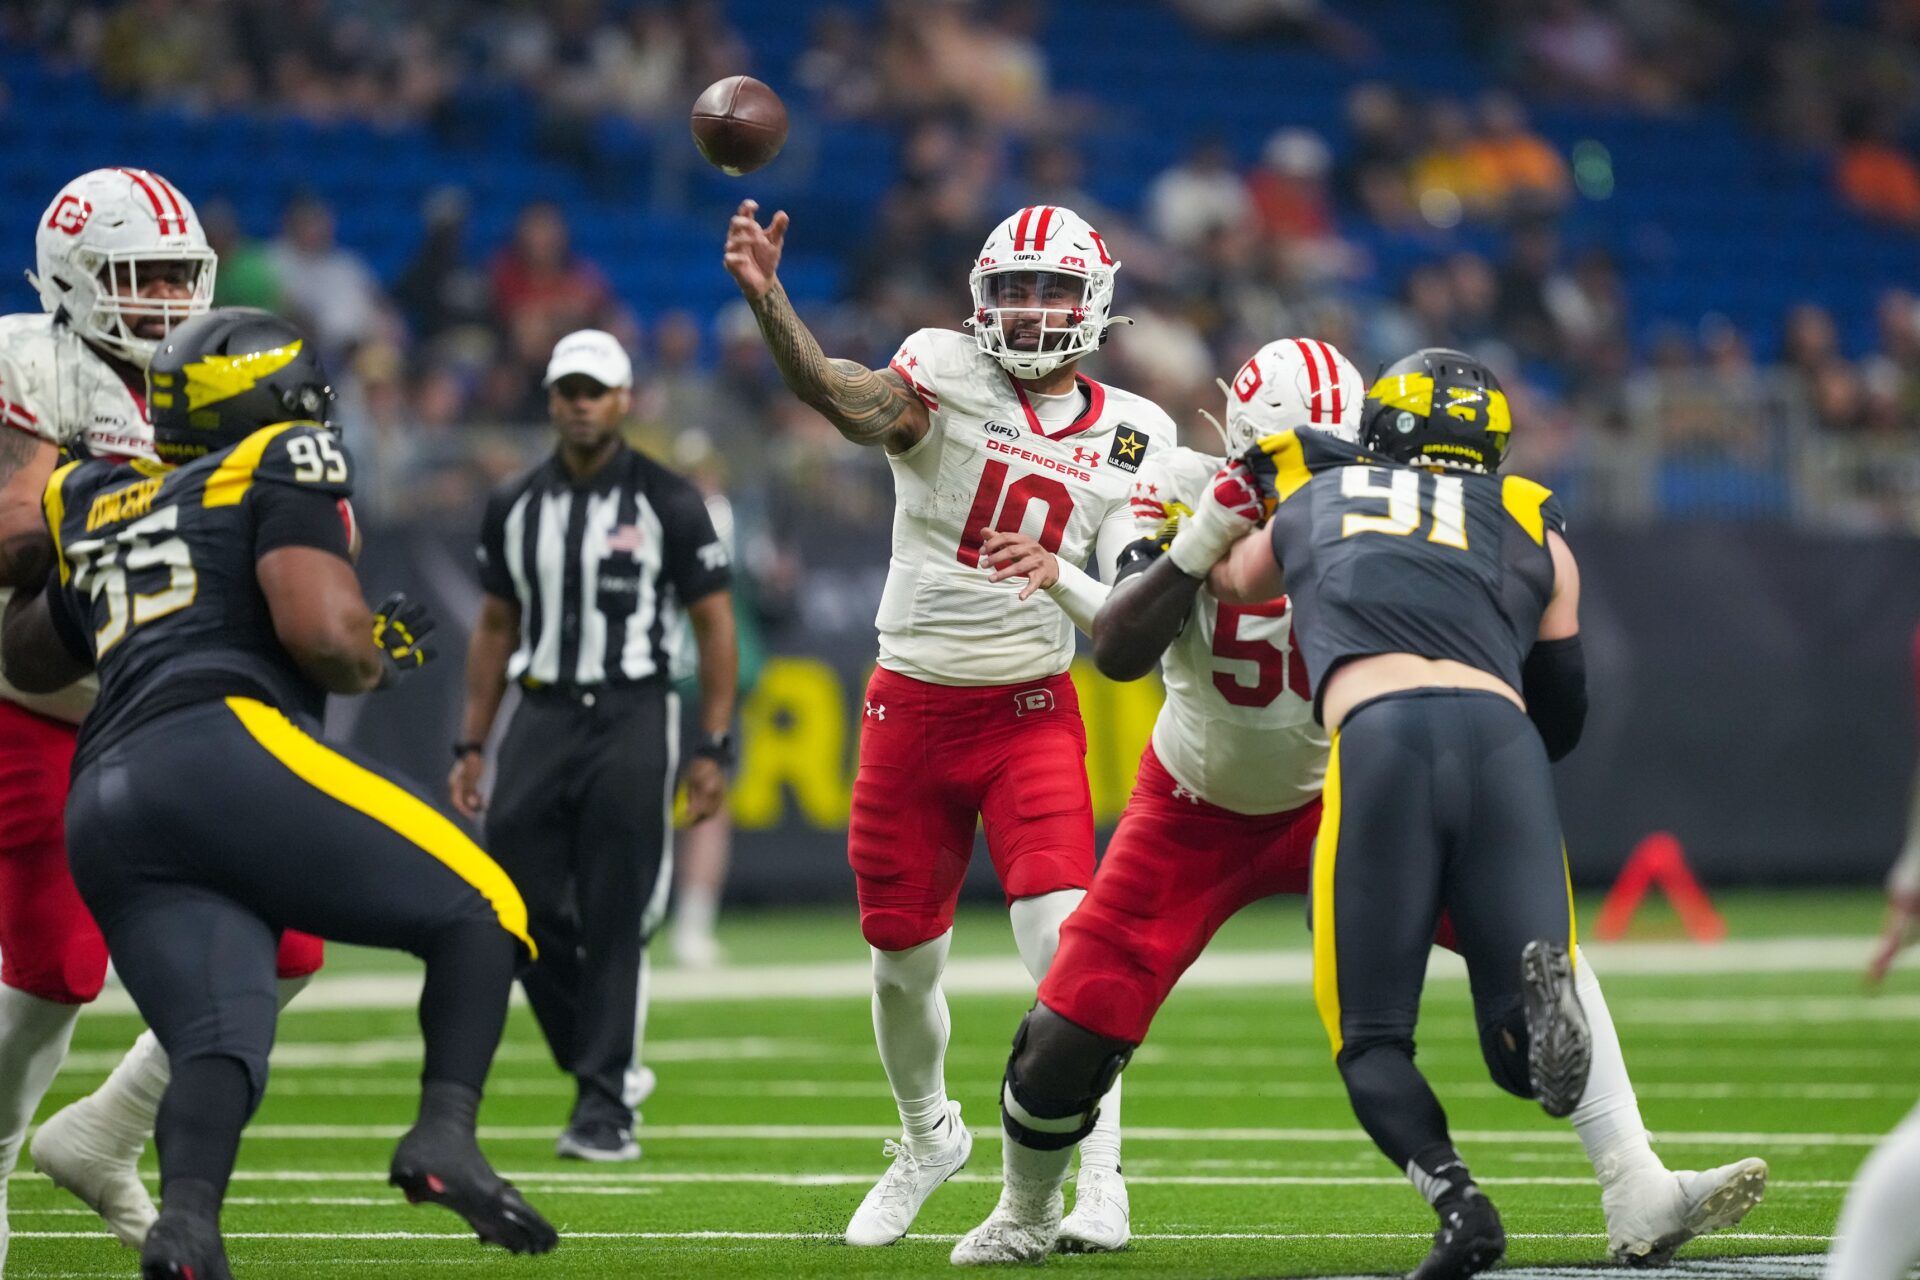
<point>1384,558</point>
<point>156,572</point>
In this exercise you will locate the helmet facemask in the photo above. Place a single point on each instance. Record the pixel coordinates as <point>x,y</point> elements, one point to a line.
<point>120,315</point>
<point>1034,320</point>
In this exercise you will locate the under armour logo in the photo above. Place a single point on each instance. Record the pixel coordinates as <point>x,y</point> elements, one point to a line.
<point>1032,700</point>
<point>876,711</point>
<point>1182,792</point>
<point>1085,457</point>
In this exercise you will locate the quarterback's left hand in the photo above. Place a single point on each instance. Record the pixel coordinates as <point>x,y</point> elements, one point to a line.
<point>1903,914</point>
<point>1017,555</point>
<point>399,627</point>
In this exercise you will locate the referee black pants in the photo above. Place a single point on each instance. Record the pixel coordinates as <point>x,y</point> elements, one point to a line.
<point>581,818</point>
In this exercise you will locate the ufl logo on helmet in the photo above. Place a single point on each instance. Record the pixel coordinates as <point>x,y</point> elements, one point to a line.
<point>1438,408</point>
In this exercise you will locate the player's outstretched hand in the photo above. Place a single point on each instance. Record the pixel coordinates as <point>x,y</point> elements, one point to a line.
<point>1231,506</point>
<point>753,252</point>
<point>400,626</point>
<point>1017,555</point>
<point>1903,915</point>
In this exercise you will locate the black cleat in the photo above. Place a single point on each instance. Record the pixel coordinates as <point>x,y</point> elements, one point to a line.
<point>184,1246</point>
<point>439,1164</point>
<point>1470,1238</point>
<point>1559,1045</point>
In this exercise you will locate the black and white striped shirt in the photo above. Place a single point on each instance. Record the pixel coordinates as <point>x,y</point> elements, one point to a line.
<point>600,568</point>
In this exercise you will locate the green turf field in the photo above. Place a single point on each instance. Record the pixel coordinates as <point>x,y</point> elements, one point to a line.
<point>1241,1153</point>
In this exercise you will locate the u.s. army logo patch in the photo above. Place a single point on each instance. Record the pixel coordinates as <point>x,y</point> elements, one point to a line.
<point>1129,448</point>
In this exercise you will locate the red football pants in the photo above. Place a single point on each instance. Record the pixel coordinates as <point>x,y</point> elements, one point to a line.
<point>49,945</point>
<point>937,759</point>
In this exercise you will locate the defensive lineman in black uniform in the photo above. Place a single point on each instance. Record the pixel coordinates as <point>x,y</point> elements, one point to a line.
<point>1429,596</point>
<point>214,593</point>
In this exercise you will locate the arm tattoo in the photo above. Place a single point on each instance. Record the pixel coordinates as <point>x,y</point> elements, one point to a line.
<point>17,449</point>
<point>867,406</point>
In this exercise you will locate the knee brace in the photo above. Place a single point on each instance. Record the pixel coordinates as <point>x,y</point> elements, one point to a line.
<point>1503,1043</point>
<point>1056,1076</point>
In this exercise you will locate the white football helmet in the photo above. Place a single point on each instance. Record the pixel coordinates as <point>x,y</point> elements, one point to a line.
<point>1042,287</point>
<point>1292,382</point>
<point>103,238</point>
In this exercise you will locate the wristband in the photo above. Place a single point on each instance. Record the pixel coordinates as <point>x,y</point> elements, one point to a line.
<point>719,748</point>
<point>469,747</point>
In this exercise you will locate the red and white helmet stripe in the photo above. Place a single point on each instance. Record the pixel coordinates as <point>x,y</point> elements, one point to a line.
<point>1047,240</point>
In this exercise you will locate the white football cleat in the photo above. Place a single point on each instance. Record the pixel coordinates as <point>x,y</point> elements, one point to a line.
<point>78,1153</point>
<point>1650,1217</point>
<point>1008,1236</point>
<point>890,1208</point>
<point>1101,1221</point>
<point>637,1086</point>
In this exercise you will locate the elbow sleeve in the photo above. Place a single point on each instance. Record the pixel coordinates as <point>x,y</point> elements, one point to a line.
<point>1554,683</point>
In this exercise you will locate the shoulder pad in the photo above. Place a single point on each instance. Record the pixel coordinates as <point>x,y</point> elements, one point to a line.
<point>934,360</point>
<point>1533,507</point>
<point>1292,457</point>
<point>25,367</point>
<point>64,501</point>
<point>294,453</point>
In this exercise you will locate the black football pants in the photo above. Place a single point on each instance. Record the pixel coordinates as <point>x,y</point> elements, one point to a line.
<point>201,835</point>
<point>582,818</point>
<point>1436,800</point>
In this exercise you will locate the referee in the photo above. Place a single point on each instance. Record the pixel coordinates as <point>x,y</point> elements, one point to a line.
<point>587,564</point>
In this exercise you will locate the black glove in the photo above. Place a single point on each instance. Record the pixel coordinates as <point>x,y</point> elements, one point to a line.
<point>400,626</point>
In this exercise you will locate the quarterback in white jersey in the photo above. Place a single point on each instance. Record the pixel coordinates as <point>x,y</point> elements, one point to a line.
<point>995,438</point>
<point>1224,812</point>
<point>120,259</point>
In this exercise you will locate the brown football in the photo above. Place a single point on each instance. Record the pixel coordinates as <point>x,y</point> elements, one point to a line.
<point>739,124</point>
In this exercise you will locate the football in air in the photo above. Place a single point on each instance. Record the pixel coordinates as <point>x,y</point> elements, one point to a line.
<point>739,124</point>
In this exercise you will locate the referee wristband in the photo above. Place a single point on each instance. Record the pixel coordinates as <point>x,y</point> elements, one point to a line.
<point>470,747</point>
<point>720,749</point>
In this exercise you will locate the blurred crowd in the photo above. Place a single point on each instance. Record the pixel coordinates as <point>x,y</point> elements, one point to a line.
<point>440,363</point>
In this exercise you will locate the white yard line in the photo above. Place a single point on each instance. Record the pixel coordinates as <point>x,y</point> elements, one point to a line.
<point>1004,975</point>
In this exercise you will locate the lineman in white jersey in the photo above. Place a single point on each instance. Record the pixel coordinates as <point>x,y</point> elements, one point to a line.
<point>120,260</point>
<point>1224,812</point>
<point>970,717</point>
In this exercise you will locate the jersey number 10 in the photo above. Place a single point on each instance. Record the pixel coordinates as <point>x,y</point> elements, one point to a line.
<point>1400,490</point>
<point>1021,494</point>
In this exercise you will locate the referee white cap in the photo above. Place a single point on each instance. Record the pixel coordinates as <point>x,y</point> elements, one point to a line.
<point>594,353</point>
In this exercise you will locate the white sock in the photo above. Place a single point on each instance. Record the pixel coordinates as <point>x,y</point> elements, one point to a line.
<point>1878,1237</point>
<point>1608,1117</point>
<point>125,1105</point>
<point>641,1001</point>
<point>696,912</point>
<point>910,1024</point>
<point>1036,932</point>
<point>34,1035</point>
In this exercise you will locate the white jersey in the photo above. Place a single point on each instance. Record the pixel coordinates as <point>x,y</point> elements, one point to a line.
<point>56,387</point>
<point>1237,728</point>
<point>988,463</point>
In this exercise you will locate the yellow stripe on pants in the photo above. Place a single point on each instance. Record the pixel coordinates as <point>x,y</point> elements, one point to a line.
<point>1326,966</point>
<point>387,803</point>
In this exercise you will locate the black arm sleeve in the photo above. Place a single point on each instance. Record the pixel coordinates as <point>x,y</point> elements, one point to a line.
<point>287,515</point>
<point>1554,682</point>
<point>697,562</point>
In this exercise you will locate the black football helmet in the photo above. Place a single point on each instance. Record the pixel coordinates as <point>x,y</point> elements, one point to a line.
<point>1439,408</point>
<point>222,376</point>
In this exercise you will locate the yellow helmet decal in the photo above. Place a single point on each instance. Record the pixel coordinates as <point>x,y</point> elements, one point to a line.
<point>1410,391</point>
<point>212,379</point>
